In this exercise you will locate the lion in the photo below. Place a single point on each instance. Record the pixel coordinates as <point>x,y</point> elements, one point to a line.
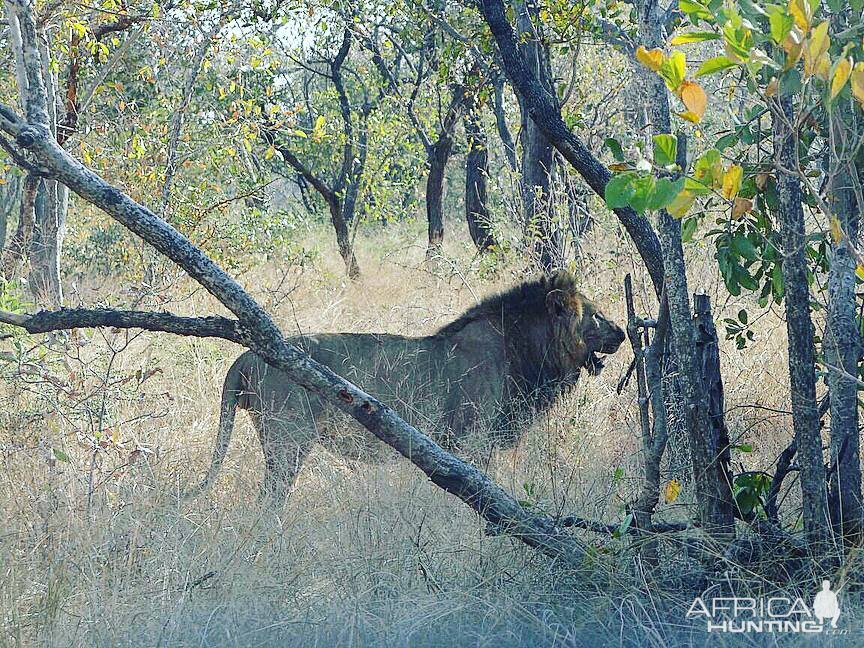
<point>475,384</point>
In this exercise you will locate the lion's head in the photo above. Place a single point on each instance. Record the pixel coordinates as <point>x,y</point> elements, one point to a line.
<point>579,330</point>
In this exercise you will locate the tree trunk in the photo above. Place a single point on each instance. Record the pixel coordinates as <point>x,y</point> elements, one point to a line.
<point>52,201</point>
<point>707,352</point>
<point>10,195</point>
<point>439,154</point>
<point>343,240</point>
<point>541,106</point>
<point>476,177</point>
<point>538,153</point>
<point>713,490</point>
<point>842,345</point>
<point>799,328</point>
<point>20,241</point>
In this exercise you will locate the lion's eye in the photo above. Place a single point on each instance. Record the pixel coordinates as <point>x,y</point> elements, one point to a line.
<point>596,320</point>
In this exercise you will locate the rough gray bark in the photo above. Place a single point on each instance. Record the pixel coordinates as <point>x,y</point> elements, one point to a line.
<point>13,253</point>
<point>501,121</point>
<point>10,195</point>
<point>842,344</point>
<point>540,105</point>
<point>707,354</point>
<point>437,155</point>
<point>799,327</point>
<point>52,205</point>
<point>476,180</point>
<point>538,153</point>
<point>259,333</point>
<point>713,488</point>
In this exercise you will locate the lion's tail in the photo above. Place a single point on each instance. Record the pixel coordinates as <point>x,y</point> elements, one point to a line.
<point>231,390</point>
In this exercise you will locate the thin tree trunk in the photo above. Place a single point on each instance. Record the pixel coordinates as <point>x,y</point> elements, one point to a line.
<point>799,328</point>
<point>538,153</point>
<point>476,179</point>
<point>343,240</point>
<point>713,489</point>
<point>438,154</point>
<point>842,345</point>
<point>10,196</point>
<point>52,202</point>
<point>20,241</point>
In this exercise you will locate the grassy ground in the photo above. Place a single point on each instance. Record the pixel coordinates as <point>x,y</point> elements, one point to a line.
<point>99,435</point>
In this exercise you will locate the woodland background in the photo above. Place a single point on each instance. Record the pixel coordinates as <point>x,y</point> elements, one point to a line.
<point>380,167</point>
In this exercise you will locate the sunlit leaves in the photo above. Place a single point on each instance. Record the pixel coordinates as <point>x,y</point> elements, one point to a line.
<point>801,12</point>
<point>694,98</point>
<point>842,71</point>
<point>856,82</point>
<point>652,59</point>
<point>673,69</point>
<point>665,150</point>
<point>641,192</point>
<point>714,65</point>
<point>694,37</point>
<point>781,23</point>
<point>732,181</point>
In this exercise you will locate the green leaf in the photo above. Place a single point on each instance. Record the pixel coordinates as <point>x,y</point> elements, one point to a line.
<point>708,170</point>
<point>673,70</point>
<point>688,228</point>
<point>619,190</point>
<point>643,190</point>
<point>695,10</point>
<point>742,316</point>
<point>59,455</point>
<point>614,147</point>
<point>714,65</point>
<point>694,37</point>
<point>664,192</point>
<point>665,150</point>
<point>781,23</point>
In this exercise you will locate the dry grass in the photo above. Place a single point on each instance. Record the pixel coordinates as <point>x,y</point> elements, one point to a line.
<point>98,552</point>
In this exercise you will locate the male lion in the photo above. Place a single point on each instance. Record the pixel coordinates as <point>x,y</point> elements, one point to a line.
<point>481,378</point>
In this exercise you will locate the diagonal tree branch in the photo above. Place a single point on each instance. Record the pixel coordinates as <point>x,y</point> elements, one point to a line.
<point>260,334</point>
<point>69,318</point>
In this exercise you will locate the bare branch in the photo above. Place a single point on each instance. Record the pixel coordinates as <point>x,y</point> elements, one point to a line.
<point>69,318</point>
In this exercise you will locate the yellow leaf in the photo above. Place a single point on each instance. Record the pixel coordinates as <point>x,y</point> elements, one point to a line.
<point>860,272</point>
<point>741,206</point>
<point>651,59</point>
<point>732,181</point>
<point>856,81</point>
<point>690,116</point>
<point>823,67</point>
<point>819,39</point>
<point>694,98</point>
<point>793,47</point>
<point>801,12</point>
<point>269,153</point>
<point>836,230</point>
<point>841,76</point>
<point>681,204</point>
<point>672,490</point>
<point>618,167</point>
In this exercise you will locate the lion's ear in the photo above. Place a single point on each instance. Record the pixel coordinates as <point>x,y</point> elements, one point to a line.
<point>556,303</point>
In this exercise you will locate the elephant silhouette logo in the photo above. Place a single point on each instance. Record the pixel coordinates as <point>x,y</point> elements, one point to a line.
<point>826,605</point>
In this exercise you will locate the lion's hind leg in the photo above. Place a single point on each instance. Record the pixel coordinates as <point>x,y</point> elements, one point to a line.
<point>285,450</point>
